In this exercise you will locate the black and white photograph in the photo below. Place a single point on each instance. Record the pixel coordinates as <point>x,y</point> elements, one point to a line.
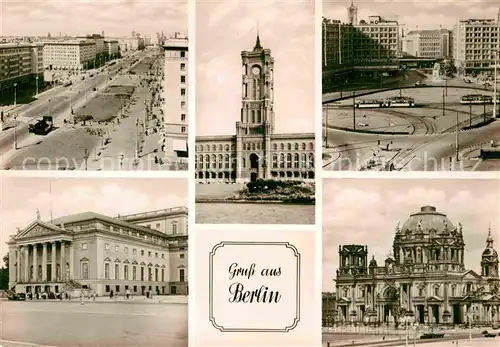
<point>410,85</point>
<point>255,112</point>
<point>94,262</point>
<point>406,260</point>
<point>94,86</point>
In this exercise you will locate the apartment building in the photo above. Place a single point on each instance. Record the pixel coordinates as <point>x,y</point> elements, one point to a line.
<point>97,39</point>
<point>68,55</point>
<point>175,94</point>
<point>20,63</point>
<point>376,40</point>
<point>475,43</point>
<point>428,43</point>
<point>134,43</point>
<point>111,47</point>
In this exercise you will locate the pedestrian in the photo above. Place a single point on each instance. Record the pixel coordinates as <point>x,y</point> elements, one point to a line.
<point>111,294</point>
<point>128,293</point>
<point>94,295</point>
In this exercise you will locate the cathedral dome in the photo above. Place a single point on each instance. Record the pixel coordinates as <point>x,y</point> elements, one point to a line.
<point>427,219</point>
<point>490,252</point>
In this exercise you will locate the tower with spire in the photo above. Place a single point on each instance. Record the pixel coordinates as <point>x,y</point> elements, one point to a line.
<point>489,259</point>
<point>352,14</point>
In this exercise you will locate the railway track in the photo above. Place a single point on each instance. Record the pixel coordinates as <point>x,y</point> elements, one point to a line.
<point>415,121</point>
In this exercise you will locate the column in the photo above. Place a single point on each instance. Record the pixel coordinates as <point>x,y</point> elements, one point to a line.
<point>54,263</point>
<point>63,261</point>
<point>71,260</point>
<point>44,262</point>
<point>18,267</point>
<point>410,303</point>
<point>35,262</point>
<point>26,264</point>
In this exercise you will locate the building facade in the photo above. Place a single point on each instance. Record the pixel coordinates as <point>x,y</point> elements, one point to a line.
<point>428,43</point>
<point>256,151</point>
<point>21,63</point>
<point>68,54</point>
<point>111,47</point>
<point>92,252</point>
<point>175,95</point>
<point>425,279</point>
<point>98,39</point>
<point>475,42</point>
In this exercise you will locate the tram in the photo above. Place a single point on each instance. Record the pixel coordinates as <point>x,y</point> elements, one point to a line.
<point>476,99</point>
<point>399,101</point>
<point>369,103</point>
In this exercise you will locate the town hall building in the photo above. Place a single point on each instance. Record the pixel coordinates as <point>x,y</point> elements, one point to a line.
<point>256,151</point>
<point>95,253</point>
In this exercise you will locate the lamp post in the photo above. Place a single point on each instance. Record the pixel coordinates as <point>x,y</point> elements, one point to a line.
<point>15,132</point>
<point>36,78</point>
<point>15,94</point>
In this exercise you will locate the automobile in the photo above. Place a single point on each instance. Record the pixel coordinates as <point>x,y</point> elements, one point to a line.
<point>486,84</point>
<point>95,89</point>
<point>466,80</point>
<point>17,297</point>
<point>431,336</point>
<point>419,83</point>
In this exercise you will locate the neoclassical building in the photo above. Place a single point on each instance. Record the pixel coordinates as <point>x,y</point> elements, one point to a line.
<point>425,280</point>
<point>256,151</point>
<point>139,252</point>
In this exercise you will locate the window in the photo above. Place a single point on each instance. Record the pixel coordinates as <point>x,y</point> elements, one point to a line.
<point>117,248</point>
<point>85,270</point>
<point>436,290</point>
<point>134,273</point>
<point>174,228</point>
<point>142,273</point>
<point>183,91</point>
<point>117,289</point>
<point>106,246</point>
<point>156,254</point>
<point>163,275</point>
<point>183,79</point>
<point>85,246</point>
<point>183,54</point>
<point>163,255</point>
<point>181,255</point>
<point>183,117</point>
<point>134,251</point>
<point>106,271</point>
<point>107,288</point>
<point>142,252</point>
<point>183,104</point>
<point>117,271</point>
<point>181,275</point>
<point>156,275</point>
<point>149,254</point>
<point>158,226</point>
<point>125,272</point>
<point>150,274</point>
<point>183,67</point>
<point>125,249</point>
<point>183,130</point>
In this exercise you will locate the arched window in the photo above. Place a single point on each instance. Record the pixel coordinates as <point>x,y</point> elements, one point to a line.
<point>282,161</point>
<point>207,161</point>
<point>214,148</point>
<point>220,161</point>
<point>296,146</point>
<point>289,161</point>
<point>303,146</point>
<point>226,160</point>
<point>311,161</point>
<point>220,148</point>
<point>253,116</point>
<point>282,146</point>
<point>275,147</point>
<point>259,119</point>
<point>303,160</point>
<point>311,146</point>
<point>296,160</point>
<point>275,161</point>
<point>227,148</point>
<point>214,161</point>
<point>253,146</point>
<point>289,146</point>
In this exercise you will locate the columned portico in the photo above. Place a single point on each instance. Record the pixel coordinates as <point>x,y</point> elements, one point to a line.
<point>62,266</point>
<point>53,265</point>
<point>44,262</point>
<point>35,263</point>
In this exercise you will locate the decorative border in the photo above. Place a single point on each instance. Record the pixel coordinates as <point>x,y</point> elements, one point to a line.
<point>243,243</point>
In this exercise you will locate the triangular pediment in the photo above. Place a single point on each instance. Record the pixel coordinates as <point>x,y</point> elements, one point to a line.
<point>84,259</point>
<point>150,264</point>
<point>107,259</point>
<point>134,262</point>
<point>180,266</point>
<point>117,260</point>
<point>126,261</point>
<point>163,266</point>
<point>470,275</point>
<point>157,265</point>
<point>143,263</point>
<point>343,299</point>
<point>434,299</point>
<point>37,229</point>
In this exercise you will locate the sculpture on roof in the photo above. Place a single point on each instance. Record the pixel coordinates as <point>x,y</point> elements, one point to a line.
<point>37,214</point>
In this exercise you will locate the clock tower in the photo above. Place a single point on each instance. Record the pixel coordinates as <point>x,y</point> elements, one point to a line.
<point>256,125</point>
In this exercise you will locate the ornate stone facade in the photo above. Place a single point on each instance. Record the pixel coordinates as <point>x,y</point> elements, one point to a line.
<point>425,278</point>
<point>256,151</point>
<point>140,252</point>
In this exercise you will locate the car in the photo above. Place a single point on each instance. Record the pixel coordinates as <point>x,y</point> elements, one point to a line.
<point>17,297</point>
<point>419,83</point>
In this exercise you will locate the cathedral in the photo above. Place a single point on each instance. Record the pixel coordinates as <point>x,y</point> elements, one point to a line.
<point>255,151</point>
<point>424,280</point>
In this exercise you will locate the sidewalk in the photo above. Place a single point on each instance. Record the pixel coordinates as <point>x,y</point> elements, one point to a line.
<point>156,299</point>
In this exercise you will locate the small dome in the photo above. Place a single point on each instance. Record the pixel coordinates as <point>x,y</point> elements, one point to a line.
<point>490,252</point>
<point>427,219</point>
<point>373,262</point>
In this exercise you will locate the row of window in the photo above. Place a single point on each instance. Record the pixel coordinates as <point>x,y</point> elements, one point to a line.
<point>159,274</point>
<point>437,290</point>
<point>107,247</point>
<point>256,146</point>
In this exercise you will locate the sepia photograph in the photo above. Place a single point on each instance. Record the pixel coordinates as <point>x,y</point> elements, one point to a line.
<point>411,85</point>
<point>255,112</point>
<point>94,262</point>
<point>87,86</point>
<point>407,260</point>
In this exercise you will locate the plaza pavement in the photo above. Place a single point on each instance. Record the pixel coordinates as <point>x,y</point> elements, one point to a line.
<point>111,322</point>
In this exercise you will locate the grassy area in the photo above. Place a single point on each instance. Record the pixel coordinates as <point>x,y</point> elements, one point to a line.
<point>293,192</point>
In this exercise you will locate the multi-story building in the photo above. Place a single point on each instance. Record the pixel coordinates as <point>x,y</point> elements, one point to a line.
<point>111,47</point>
<point>428,43</point>
<point>21,63</point>
<point>93,252</point>
<point>424,279</point>
<point>256,151</point>
<point>68,54</point>
<point>175,94</point>
<point>475,42</point>
<point>130,43</point>
<point>98,39</point>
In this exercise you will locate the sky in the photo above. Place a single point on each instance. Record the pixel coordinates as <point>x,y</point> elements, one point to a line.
<point>366,212</point>
<point>76,17</point>
<point>426,14</point>
<point>21,197</point>
<point>225,28</point>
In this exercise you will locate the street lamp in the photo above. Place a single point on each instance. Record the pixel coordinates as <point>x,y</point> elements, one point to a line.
<point>15,94</point>
<point>15,132</point>
<point>36,78</point>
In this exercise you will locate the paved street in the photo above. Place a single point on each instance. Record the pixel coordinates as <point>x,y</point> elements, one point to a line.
<point>95,323</point>
<point>430,143</point>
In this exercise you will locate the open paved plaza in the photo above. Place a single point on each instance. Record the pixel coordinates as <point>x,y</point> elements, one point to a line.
<point>421,138</point>
<point>101,323</point>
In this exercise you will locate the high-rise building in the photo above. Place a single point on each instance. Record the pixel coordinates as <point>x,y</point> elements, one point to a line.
<point>475,41</point>
<point>175,94</point>
<point>20,63</point>
<point>256,151</point>
<point>428,43</point>
<point>69,54</point>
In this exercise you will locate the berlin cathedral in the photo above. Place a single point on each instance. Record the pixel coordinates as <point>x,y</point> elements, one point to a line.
<point>425,279</point>
<point>256,151</point>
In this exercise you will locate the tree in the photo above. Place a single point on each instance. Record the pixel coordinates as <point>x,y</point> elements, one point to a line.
<point>6,260</point>
<point>4,273</point>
